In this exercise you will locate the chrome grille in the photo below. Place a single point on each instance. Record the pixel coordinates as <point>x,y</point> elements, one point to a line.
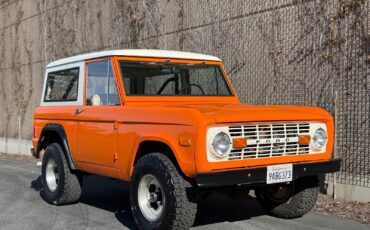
<point>269,140</point>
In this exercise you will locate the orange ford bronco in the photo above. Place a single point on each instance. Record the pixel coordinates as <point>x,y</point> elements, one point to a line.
<point>172,125</point>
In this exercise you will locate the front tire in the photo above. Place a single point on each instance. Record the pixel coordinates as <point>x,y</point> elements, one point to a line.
<point>160,197</point>
<point>60,185</point>
<point>289,200</point>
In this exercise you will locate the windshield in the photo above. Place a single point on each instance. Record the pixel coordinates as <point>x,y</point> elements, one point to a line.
<point>167,79</point>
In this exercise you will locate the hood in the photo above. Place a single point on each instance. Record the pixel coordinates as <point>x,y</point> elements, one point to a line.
<point>224,113</point>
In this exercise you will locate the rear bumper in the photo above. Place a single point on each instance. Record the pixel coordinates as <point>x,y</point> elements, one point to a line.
<point>258,175</point>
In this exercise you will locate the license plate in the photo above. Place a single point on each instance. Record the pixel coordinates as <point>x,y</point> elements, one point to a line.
<point>279,173</point>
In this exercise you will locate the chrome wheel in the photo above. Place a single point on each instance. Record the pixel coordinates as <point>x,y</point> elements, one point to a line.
<point>52,175</point>
<point>150,197</point>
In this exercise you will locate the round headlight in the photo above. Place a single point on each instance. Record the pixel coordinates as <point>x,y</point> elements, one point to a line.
<point>319,138</point>
<point>221,144</point>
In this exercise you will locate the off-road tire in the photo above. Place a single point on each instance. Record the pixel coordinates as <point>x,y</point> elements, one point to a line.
<point>301,201</point>
<point>180,207</point>
<point>69,187</point>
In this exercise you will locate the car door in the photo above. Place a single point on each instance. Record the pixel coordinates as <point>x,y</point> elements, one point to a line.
<point>96,136</point>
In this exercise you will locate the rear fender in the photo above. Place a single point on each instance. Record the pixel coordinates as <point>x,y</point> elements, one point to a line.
<point>60,134</point>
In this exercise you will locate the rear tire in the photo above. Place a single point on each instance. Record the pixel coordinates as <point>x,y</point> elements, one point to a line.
<point>160,197</point>
<point>60,185</point>
<point>289,201</point>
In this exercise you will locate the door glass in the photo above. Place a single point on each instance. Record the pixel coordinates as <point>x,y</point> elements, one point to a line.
<point>101,86</point>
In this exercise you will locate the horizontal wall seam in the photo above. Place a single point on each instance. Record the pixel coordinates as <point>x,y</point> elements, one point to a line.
<point>20,65</point>
<point>28,18</point>
<point>288,5</point>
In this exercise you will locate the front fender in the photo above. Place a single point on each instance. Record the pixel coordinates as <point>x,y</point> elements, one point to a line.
<point>169,135</point>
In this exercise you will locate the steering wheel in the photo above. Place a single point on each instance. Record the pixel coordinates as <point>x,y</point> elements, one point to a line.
<point>190,85</point>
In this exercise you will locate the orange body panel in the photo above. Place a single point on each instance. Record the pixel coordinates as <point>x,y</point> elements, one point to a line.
<point>105,139</point>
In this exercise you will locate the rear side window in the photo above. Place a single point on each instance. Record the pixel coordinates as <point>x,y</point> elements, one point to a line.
<point>62,85</point>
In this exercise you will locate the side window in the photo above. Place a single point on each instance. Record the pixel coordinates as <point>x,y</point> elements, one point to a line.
<point>62,86</point>
<point>101,86</point>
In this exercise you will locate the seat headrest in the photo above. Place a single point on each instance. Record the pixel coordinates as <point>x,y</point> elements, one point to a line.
<point>96,100</point>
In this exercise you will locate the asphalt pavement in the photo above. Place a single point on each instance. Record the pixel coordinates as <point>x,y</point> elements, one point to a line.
<point>105,205</point>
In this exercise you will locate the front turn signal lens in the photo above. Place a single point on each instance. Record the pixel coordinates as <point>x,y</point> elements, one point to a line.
<point>184,141</point>
<point>304,139</point>
<point>239,143</point>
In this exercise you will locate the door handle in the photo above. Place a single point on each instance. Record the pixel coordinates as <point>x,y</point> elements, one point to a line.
<point>78,111</point>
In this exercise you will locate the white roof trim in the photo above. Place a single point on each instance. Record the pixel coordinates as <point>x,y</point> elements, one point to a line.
<point>134,53</point>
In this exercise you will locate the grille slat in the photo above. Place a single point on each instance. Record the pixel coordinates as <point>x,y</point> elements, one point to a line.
<point>269,140</point>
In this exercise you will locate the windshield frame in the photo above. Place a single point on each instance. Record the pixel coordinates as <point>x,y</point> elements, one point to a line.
<point>224,98</point>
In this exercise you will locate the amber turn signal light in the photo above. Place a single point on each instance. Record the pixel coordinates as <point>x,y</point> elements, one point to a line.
<point>304,139</point>
<point>184,141</point>
<point>239,143</point>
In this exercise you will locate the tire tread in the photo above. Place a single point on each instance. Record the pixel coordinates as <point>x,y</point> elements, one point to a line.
<point>185,210</point>
<point>71,189</point>
<point>302,201</point>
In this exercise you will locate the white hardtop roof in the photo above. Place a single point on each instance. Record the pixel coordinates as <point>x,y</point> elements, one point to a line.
<point>134,53</point>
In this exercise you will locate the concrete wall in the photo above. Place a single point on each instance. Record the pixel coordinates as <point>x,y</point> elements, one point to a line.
<point>299,52</point>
